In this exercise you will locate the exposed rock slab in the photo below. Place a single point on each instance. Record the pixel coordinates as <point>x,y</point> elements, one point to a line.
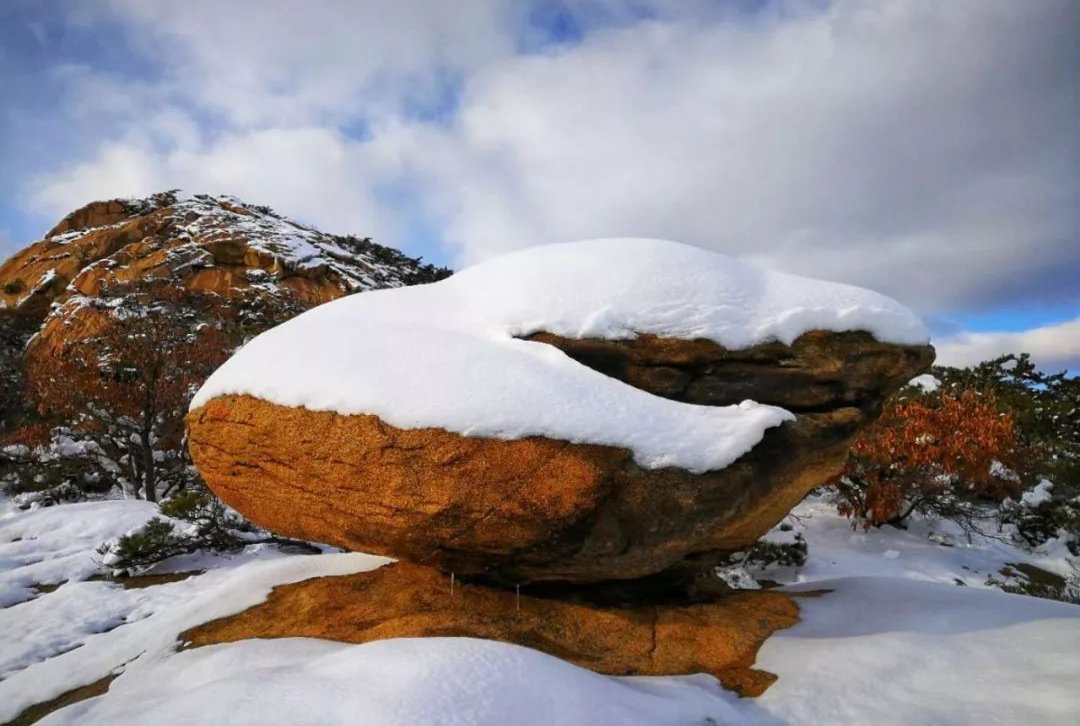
<point>531,509</point>
<point>403,600</point>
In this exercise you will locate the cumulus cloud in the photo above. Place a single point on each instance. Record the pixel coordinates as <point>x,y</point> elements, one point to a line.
<point>269,100</point>
<point>926,149</point>
<point>1052,347</point>
<point>920,147</point>
<point>273,62</point>
<point>315,174</point>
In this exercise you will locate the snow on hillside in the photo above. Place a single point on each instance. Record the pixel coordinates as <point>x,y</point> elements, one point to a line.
<point>185,227</point>
<point>894,639</point>
<point>872,651</point>
<point>928,550</point>
<point>448,355</point>
<point>894,651</point>
<point>406,681</point>
<point>84,630</point>
<point>204,219</point>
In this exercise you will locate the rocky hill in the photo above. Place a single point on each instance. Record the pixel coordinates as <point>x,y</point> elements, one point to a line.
<point>208,244</point>
<point>124,306</point>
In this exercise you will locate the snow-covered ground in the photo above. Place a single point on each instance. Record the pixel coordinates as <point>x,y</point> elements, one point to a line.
<point>56,544</point>
<point>84,630</point>
<point>895,639</point>
<point>932,551</point>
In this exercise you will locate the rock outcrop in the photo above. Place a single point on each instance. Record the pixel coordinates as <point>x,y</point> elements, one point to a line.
<point>472,426</point>
<point>405,601</point>
<point>576,434</point>
<point>537,509</point>
<point>498,444</point>
<point>206,244</point>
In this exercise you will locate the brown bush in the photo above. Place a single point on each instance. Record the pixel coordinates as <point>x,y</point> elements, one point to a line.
<point>936,454</point>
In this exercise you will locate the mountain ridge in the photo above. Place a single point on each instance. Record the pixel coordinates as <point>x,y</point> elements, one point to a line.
<point>216,257</point>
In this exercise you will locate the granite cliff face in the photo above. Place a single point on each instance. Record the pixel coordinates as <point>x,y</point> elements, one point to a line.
<point>207,244</point>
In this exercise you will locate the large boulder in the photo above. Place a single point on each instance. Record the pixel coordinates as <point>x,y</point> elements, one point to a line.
<point>525,509</point>
<point>406,601</point>
<point>582,413</point>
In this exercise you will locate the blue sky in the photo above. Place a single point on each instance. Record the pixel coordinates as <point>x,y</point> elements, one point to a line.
<point>924,148</point>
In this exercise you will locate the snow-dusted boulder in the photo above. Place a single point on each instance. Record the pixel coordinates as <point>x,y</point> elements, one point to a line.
<point>585,412</point>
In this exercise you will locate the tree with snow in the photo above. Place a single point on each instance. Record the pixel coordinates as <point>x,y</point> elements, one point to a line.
<point>123,391</point>
<point>126,388</point>
<point>999,441</point>
<point>13,337</point>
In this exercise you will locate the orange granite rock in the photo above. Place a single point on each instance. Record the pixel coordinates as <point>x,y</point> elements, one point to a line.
<point>205,244</point>
<point>537,509</point>
<point>721,637</point>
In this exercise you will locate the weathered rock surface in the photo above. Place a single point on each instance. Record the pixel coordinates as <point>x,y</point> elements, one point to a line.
<point>820,371</point>
<point>202,243</point>
<point>537,509</point>
<point>403,600</point>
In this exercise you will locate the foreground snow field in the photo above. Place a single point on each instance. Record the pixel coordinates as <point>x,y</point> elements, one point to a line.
<point>874,650</point>
<point>56,544</point>
<point>894,640</point>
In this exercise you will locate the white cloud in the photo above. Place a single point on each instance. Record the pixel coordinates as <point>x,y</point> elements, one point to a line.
<point>265,99</point>
<point>313,174</point>
<point>285,62</point>
<point>920,147</point>
<point>1052,347</point>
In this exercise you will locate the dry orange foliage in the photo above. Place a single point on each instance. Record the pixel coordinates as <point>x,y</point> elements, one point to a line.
<point>929,452</point>
<point>30,435</point>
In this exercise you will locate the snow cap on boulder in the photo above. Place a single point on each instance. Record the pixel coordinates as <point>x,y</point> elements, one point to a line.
<point>450,355</point>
